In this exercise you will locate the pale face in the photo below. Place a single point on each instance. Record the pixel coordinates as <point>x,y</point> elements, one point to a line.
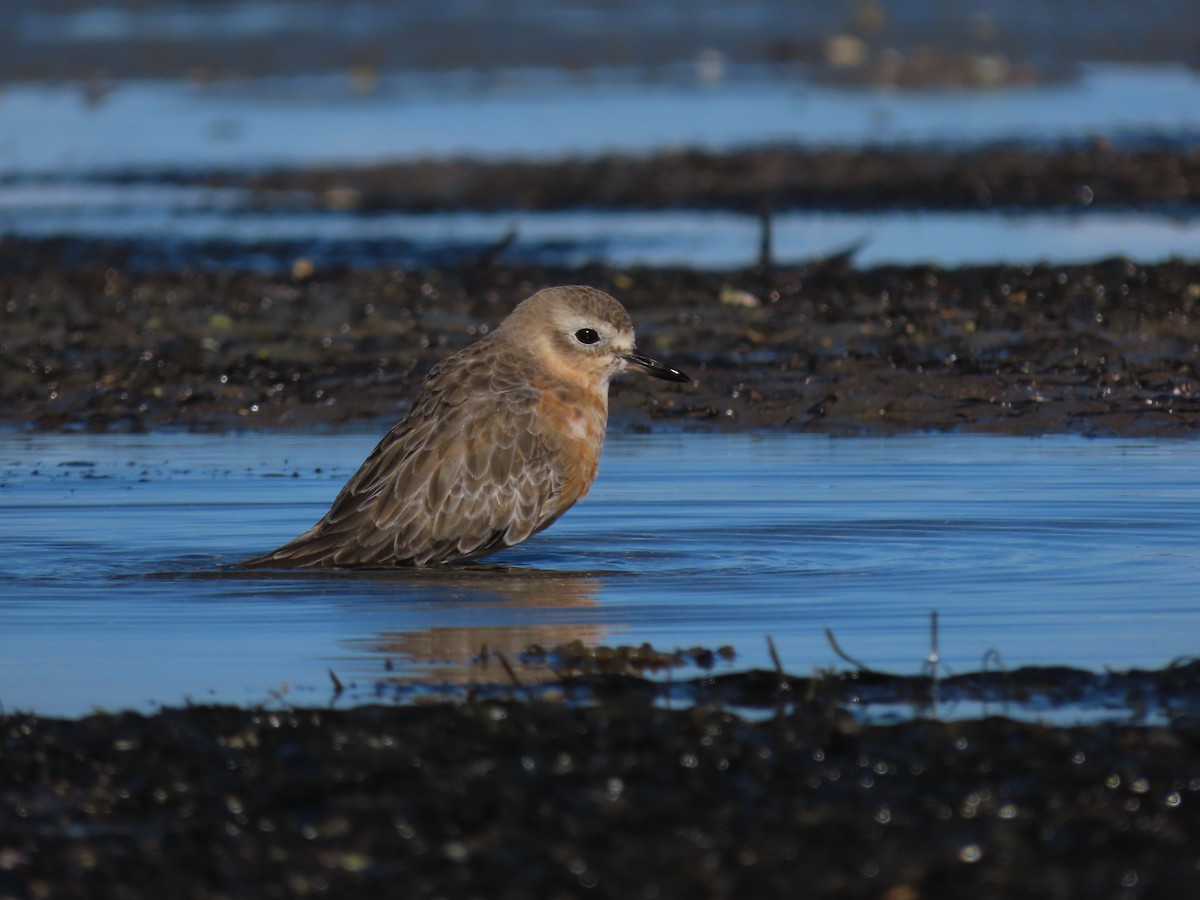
<point>581,335</point>
<point>595,345</point>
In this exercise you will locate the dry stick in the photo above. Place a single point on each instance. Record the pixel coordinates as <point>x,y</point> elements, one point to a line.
<point>842,653</point>
<point>810,695</point>
<point>993,655</point>
<point>489,253</point>
<point>774,656</point>
<point>338,687</point>
<point>274,694</point>
<point>513,675</point>
<point>990,656</point>
<point>931,661</point>
<point>934,656</point>
<point>784,686</point>
<point>766,238</point>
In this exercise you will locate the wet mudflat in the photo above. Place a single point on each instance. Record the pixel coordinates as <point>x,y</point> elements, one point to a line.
<point>622,799</point>
<point>1134,172</point>
<point>1107,348</point>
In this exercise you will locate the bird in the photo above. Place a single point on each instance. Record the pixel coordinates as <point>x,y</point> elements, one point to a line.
<point>502,438</point>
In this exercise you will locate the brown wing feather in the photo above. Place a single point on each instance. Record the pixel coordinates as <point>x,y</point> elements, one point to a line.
<point>463,474</point>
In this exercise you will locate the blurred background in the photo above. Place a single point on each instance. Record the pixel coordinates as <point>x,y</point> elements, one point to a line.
<point>915,43</point>
<point>561,133</point>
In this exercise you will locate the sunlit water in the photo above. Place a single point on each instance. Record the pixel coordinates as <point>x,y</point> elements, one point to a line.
<point>92,163</point>
<point>1063,550</point>
<point>176,227</point>
<point>322,120</point>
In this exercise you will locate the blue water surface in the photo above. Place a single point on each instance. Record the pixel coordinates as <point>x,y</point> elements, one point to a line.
<point>115,591</point>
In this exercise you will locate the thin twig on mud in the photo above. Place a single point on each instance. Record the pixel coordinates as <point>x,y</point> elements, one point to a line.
<point>843,654</point>
<point>783,688</point>
<point>513,675</point>
<point>932,662</point>
<point>775,657</point>
<point>992,656</point>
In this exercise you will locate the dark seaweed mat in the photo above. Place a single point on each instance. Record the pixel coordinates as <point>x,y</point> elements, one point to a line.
<point>513,799</point>
<point>1107,348</point>
<point>1172,692</point>
<point>589,674</point>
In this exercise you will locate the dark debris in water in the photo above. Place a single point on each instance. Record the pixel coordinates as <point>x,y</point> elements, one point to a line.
<point>517,798</point>
<point>578,658</point>
<point>1105,348</point>
<point>1059,690</point>
<point>578,673</point>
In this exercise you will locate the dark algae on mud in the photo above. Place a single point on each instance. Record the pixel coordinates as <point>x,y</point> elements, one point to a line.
<point>1108,348</point>
<point>515,799</point>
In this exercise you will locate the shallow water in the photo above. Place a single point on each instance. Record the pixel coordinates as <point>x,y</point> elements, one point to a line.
<point>141,127</point>
<point>88,162</point>
<point>178,226</point>
<point>1057,550</point>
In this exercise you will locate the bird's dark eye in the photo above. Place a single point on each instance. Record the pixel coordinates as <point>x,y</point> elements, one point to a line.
<point>587,336</point>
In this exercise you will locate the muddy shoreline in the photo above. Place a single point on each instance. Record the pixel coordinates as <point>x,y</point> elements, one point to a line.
<point>1147,171</point>
<point>1110,348</point>
<point>529,798</point>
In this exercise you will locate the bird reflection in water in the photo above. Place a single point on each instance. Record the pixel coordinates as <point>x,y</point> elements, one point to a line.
<point>504,611</point>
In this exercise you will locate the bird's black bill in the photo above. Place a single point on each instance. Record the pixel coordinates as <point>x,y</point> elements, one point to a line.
<point>655,368</point>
